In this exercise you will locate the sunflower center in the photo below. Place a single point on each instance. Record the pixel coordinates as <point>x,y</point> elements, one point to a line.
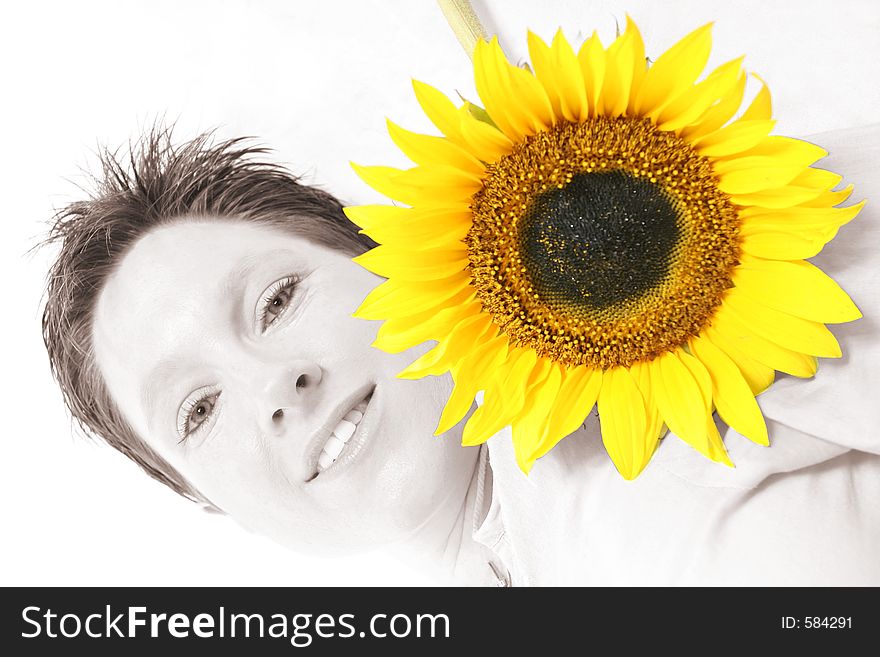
<point>602,243</point>
<point>602,240</point>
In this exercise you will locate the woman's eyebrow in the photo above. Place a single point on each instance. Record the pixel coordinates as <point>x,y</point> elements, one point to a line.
<point>156,386</point>
<point>237,276</point>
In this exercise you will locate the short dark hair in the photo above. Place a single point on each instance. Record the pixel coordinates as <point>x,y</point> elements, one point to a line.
<point>155,183</point>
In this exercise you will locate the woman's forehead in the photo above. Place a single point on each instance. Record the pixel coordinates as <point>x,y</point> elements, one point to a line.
<point>188,243</point>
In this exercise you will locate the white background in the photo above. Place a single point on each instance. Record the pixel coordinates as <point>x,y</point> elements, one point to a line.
<point>314,80</point>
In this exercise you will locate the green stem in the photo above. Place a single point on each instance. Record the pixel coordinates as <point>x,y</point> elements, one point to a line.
<point>464,23</point>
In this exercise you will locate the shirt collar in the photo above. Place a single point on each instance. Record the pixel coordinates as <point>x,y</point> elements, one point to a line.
<point>487,527</point>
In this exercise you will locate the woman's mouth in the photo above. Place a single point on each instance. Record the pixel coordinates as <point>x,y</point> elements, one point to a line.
<point>337,444</point>
<point>346,438</point>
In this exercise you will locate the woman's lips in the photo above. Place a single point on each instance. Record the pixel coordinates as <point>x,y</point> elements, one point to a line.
<point>344,440</point>
<point>339,438</point>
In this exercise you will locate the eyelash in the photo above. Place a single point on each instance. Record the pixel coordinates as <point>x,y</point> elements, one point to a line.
<point>270,295</point>
<point>186,411</point>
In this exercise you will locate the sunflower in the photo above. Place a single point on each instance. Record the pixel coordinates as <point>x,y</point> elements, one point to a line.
<point>604,232</point>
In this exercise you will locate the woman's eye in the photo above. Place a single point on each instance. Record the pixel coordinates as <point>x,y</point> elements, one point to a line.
<point>276,301</point>
<point>279,303</point>
<point>195,414</point>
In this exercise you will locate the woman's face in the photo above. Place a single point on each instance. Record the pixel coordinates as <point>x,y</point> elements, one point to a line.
<point>230,348</point>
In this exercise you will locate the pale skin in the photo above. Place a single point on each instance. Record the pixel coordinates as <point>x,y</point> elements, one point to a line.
<point>230,349</point>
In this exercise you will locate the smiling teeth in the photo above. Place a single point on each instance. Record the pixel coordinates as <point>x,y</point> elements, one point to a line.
<point>340,436</point>
<point>344,430</point>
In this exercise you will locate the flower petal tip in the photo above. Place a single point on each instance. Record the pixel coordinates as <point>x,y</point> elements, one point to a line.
<point>473,441</point>
<point>526,466</point>
<point>856,207</point>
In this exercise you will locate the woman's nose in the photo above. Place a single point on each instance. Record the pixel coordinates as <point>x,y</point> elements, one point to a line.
<point>288,391</point>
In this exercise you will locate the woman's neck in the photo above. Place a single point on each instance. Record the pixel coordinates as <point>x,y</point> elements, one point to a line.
<point>444,547</point>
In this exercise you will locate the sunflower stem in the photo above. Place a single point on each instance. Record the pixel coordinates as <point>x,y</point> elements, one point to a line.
<point>464,23</point>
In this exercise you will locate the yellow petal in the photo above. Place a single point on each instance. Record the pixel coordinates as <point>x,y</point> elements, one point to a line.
<point>807,189</point>
<point>771,354</point>
<point>558,71</point>
<point>384,180</point>
<point>811,219</point>
<point>418,230</point>
<point>783,345</point>
<point>499,411</point>
<point>452,308</point>
<point>624,423</point>
<point>757,375</point>
<point>469,376</point>
<point>575,106</point>
<point>786,330</point>
<point>592,64</point>
<point>528,429</point>
<point>719,114</point>
<point>827,199</point>
<point>439,109</point>
<point>425,149</point>
<point>503,399</point>
<point>409,265</point>
<point>680,397</point>
<point>485,422</point>
<point>388,298</point>
<point>798,288</point>
<point>542,59</point>
<point>693,103</point>
<point>459,403</point>
<point>711,445</point>
<point>498,83</point>
<point>494,89</point>
<point>432,363</point>
<point>735,138</point>
<point>752,174</point>
<point>794,233</point>
<point>415,186</point>
<point>400,333</point>
<point>778,198</point>
<point>761,108</point>
<point>485,141</point>
<point>577,396</point>
<point>674,71</point>
<point>784,149</point>
<point>642,375</point>
<point>440,183</point>
<point>819,179</point>
<point>367,216</point>
<point>733,398</point>
<point>624,70</point>
<point>782,245</point>
<point>715,445</point>
<point>524,369</point>
<point>533,105</point>
<point>468,336</point>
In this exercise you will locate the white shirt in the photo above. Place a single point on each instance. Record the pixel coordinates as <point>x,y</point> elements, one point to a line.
<point>805,511</point>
